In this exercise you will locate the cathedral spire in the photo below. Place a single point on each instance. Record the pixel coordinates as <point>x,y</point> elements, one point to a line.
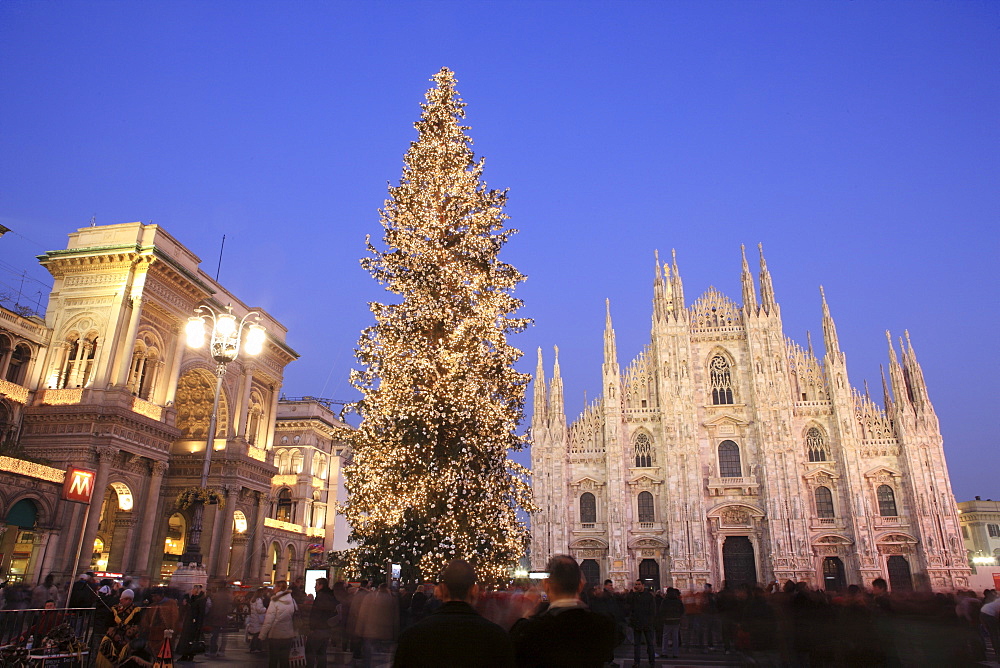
<point>766,287</point>
<point>830,339</point>
<point>660,307</point>
<point>557,410</point>
<point>896,375</point>
<point>916,371</point>
<point>540,413</point>
<point>886,397</point>
<point>809,341</point>
<point>610,347</point>
<point>749,289</point>
<point>677,285</point>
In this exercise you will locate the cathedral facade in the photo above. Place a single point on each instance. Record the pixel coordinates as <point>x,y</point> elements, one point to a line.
<point>726,452</point>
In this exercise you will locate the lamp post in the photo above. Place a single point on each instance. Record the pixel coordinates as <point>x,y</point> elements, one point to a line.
<point>226,334</point>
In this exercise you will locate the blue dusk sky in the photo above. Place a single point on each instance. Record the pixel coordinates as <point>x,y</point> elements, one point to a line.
<point>858,141</point>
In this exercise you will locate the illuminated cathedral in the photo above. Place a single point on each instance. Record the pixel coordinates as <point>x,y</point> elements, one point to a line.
<point>726,452</point>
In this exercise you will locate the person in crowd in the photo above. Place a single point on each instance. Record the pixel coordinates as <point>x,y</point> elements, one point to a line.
<point>378,623</point>
<point>324,608</point>
<point>220,607</point>
<point>44,591</point>
<point>641,610</point>
<point>192,614</point>
<point>84,592</point>
<point>159,620</point>
<point>989,617</point>
<point>298,591</point>
<point>564,632</point>
<point>121,645</point>
<point>671,612</point>
<point>255,619</point>
<point>455,634</point>
<point>278,629</point>
<point>46,621</point>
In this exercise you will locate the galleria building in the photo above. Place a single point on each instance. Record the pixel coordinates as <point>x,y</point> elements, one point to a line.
<point>726,452</point>
<point>105,382</point>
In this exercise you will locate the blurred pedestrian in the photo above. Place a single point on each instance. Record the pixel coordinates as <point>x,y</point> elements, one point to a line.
<point>455,635</point>
<point>278,629</point>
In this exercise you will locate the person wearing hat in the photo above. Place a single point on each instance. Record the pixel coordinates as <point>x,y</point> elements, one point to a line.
<point>160,617</point>
<point>117,646</point>
<point>84,592</point>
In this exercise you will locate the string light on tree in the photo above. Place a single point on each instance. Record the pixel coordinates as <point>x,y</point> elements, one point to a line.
<point>431,479</point>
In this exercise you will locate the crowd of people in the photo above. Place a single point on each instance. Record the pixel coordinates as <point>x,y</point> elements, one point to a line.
<point>561,621</point>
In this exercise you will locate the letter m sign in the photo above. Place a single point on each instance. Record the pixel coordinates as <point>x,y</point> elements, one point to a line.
<point>79,485</point>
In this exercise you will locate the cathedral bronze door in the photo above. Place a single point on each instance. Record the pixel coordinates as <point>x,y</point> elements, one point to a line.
<point>592,572</point>
<point>738,563</point>
<point>833,574</point>
<point>649,573</point>
<point>900,578</point>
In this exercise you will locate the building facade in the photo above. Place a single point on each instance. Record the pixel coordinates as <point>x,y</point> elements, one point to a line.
<point>727,452</point>
<point>303,523</point>
<point>980,522</point>
<point>107,383</point>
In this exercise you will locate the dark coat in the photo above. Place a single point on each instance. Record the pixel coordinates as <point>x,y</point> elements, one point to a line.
<point>323,608</point>
<point>564,637</point>
<point>454,636</point>
<point>83,595</point>
<point>641,609</point>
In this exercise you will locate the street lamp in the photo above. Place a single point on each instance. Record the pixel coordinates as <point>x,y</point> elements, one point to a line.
<point>226,335</point>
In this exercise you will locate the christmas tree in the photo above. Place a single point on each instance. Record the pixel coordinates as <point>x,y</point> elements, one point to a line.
<point>441,401</point>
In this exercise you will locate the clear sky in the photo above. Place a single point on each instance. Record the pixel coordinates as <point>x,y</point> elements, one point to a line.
<point>857,140</point>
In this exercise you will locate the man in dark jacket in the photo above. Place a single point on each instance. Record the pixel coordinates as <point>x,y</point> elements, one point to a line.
<point>641,611</point>
<point>564,633</point>
<point>455,635</point>
<point>84,592</point>
<point>323,609</point>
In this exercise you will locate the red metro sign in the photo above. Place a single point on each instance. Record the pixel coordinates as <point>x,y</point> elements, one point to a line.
<point>79,485</point>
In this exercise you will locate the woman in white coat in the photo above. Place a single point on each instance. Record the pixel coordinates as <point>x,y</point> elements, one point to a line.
<point>255,620</point>
<point>278,630</point>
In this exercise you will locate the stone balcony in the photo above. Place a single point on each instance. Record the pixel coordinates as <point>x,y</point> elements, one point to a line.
<point>746,485</point>
<point>828,523</point>
<point>13,391</point>
<point>890,522</point>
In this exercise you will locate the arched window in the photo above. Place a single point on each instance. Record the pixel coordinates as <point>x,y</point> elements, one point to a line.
<point>296,466</point>
<point>588,508</point>
<point>824,502</point>
<point>646,513</point>
<point>254,416</point>
<point>283,461</point>
<point>18,364</point>
<point>886,501</point>
<point>721,380</point>
<point>815,446</point>
<point>643,451</point>
<point>729,460</point>
<point>283,509</point>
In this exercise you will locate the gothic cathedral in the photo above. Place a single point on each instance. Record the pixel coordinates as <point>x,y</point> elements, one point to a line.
<point>727,453</point>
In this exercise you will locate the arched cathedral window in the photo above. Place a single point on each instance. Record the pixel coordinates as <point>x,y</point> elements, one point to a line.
<point>283,510</point>
<point>588,508</point>
<point>646,513</point>
<point>721,380</point>
<point>815,446</point>
<point>824,502</point>
<point>643,451</point>
<point>729,460</point>
<point>886,501</point>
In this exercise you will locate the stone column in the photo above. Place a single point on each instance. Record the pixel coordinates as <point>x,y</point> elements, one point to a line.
<point>74,366</point>
<point>256,538</point>
<point>122,365</point>
<point>52,546</point>
<point>243,409</point>
<point>237,567</point>
<point>149,519</point>
<point>166,394</point>
<point>105,455</point>
<point>5,361</point>
<point>224,528</point>
<point>269,422</point>
<point>121,541</point>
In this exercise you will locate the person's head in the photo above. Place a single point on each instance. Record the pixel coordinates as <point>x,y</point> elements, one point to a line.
<point>50,604</point>
<point>321,584</point>
<point>609,585</point>
<point>280,585</point>
<point>879,586</point>
<point>565,579</point>
<point>127,596</point>
<point>90,577</point>
<point>156,594</point>
<point>49,579</point>
<point>458,582</point>
<point>708,586</point>
<point>638,586</point>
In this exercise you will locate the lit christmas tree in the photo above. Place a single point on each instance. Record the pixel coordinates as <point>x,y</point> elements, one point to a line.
<point>431,479</point>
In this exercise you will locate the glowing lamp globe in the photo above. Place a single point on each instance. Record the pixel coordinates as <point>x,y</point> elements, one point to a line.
<point>195,331</point>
